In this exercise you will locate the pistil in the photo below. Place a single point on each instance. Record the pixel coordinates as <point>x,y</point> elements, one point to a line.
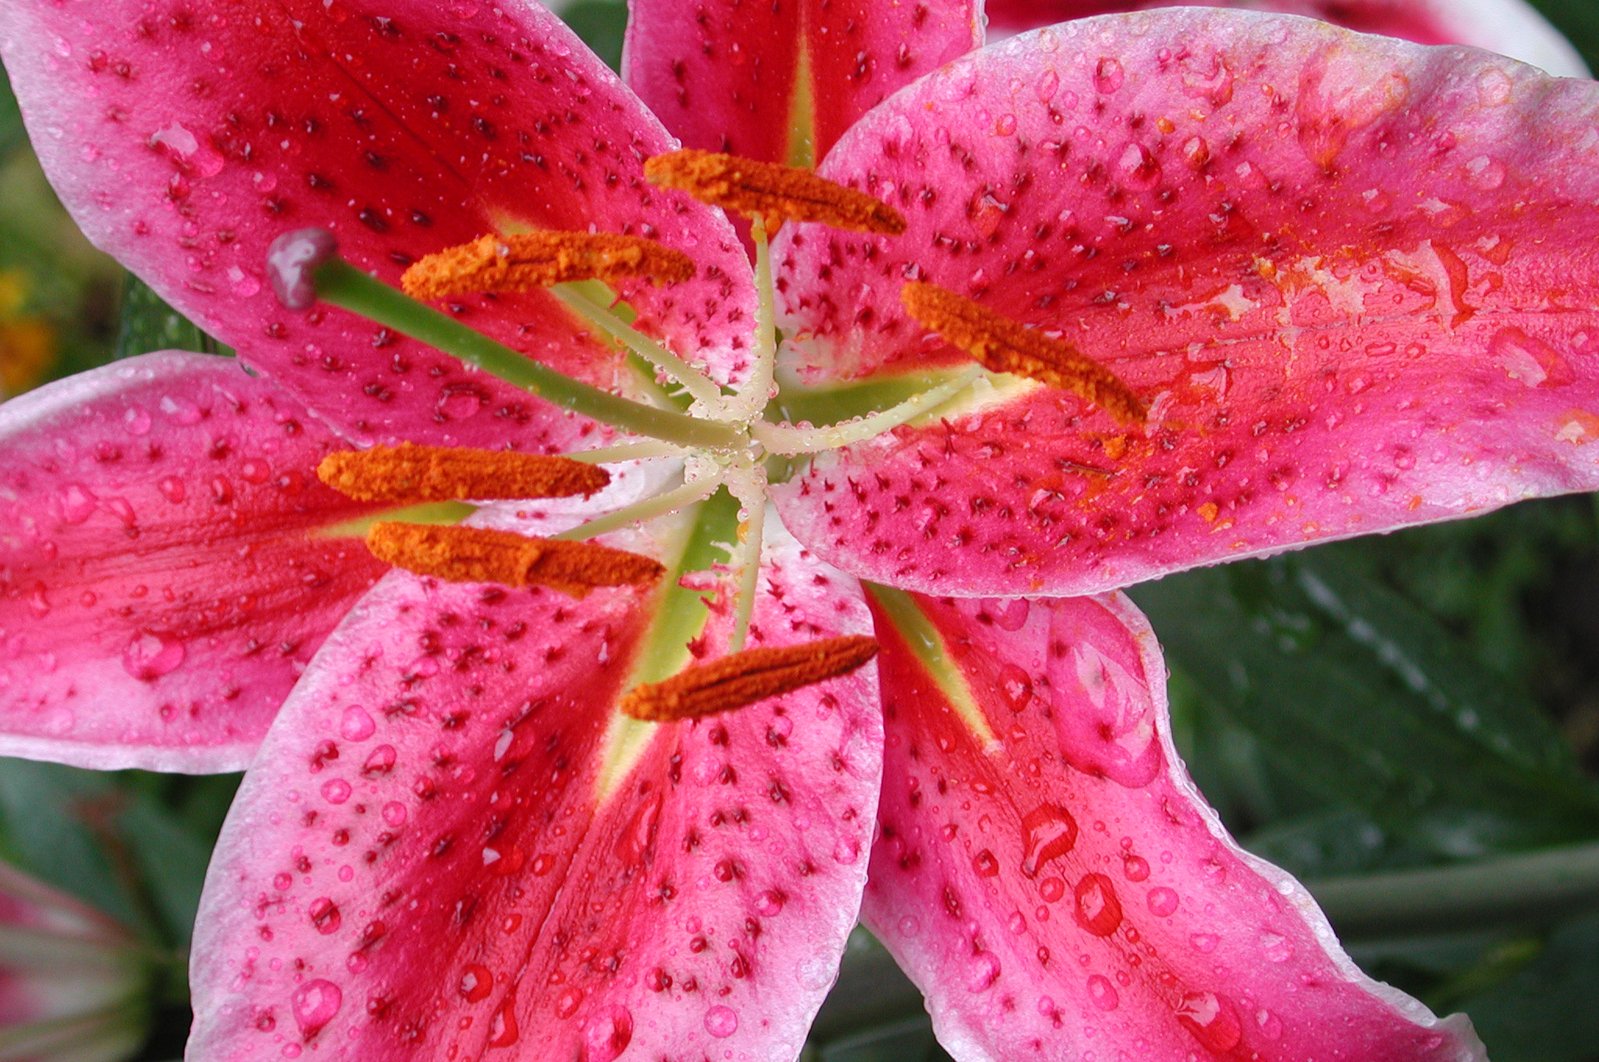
<point>304,270</point>
<point>409,473</point>
<point>487,555</point>
<point>1005,346</point>
<point>743,678</point>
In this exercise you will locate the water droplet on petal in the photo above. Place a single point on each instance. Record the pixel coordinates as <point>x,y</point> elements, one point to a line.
<point>1098,909</point>
<point>1212,1020</point>
<point>1051,833</point>
<point>1103,993</point>
<point>1162,901</point>
<point>357,724</point>
<point>982,971</point>
<point>1108,75</point>
<point>314,1004</point>
<point>149,656</point>
<point>607,1034</point>
<point>721,1021</point>
<point>476,983</point>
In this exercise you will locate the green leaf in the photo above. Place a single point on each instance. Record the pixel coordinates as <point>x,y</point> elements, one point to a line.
<point>601,24</point>
<point>1545,1011</point>
<point>54,822</point>
<point>149,324</point>
<point>1367,700</point>
<point>12,134</point>
<point>171,862</point>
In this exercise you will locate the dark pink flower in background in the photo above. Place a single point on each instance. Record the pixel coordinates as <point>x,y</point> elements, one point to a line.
<point>1349,280</point>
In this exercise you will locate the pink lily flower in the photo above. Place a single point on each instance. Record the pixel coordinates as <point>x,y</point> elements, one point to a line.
<point>1339,281</point>
<point>1508,27</point>
<point>72,981</point>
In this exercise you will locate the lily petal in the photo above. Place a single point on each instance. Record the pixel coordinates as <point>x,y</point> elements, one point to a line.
<point>1051,879</point>
<point>1351,278</point>
<point>431,857</point>
<point>185,141</point>
<point>161,583</point>
<point>717,79</point>
<point>1509,27</point>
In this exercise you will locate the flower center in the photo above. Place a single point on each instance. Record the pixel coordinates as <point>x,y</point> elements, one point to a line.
<point>729,442</point>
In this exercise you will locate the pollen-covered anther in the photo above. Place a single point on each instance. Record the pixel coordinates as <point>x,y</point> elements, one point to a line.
<point>739,679</point>
<point>410,473</point>
<point>485,555</point>
<point>533,260</point>
<point>1005,346</point>
<point>771,192</point>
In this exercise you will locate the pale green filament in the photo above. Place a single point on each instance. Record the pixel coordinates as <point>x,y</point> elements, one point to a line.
<point>631,451</point>
<point>696,383</point>
<point>788,440</point>
<point>749,487</point>
<point>757,390</point>
<point>694,490</point>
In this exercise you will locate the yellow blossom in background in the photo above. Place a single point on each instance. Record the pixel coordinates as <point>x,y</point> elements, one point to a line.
<point>28,344</point>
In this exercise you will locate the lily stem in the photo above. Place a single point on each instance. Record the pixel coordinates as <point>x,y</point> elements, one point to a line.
<point>1533,887</point>
<point>347,287</point>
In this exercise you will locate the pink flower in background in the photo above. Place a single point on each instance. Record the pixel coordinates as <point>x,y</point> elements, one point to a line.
<point>73,983</point>
<point>1348,280</point>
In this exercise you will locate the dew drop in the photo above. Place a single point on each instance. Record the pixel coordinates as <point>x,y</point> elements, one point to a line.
<point>149,656</point>
<point>721,1021</point>
<point>1098,909</point>
<point>769,903</point>
<point>336,791</point>
<point>984,864</point>
<point>1108,75</point>
<point>314,1004</point>
<point>1136,868</point>
<point>357,724</point>
<point>1015,686</point>
<point>324,915</point>
<point>380,762</point>
<point>503,1029</point>
<point>607,1034</point>
<point>476,983</point>
<point>1162,901</point>
<point>77,503</point>
<point>567,1002</point>
<point>1103,993</point>
<point>982,971</point>
<point>1051,833</point>
<point>1212,1020</point>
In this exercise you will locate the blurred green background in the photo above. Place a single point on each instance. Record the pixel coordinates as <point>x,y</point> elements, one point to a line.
<point>1410,724</point>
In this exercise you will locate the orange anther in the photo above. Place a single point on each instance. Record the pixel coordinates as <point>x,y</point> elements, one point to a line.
<point>409,473</point>
<point>743,678</point>
<point>771,192</point>
<point>1002,345</point>
<point>539,259</point>
<point>484,555</point>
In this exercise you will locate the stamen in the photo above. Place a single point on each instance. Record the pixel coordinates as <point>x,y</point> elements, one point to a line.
<point>486,555</point>
<point>743,678</point>
<point>1005,346</point>
<point>681,496</point>
<point>410,473</point>
<point>533,260</point>
<point>771,192</point>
